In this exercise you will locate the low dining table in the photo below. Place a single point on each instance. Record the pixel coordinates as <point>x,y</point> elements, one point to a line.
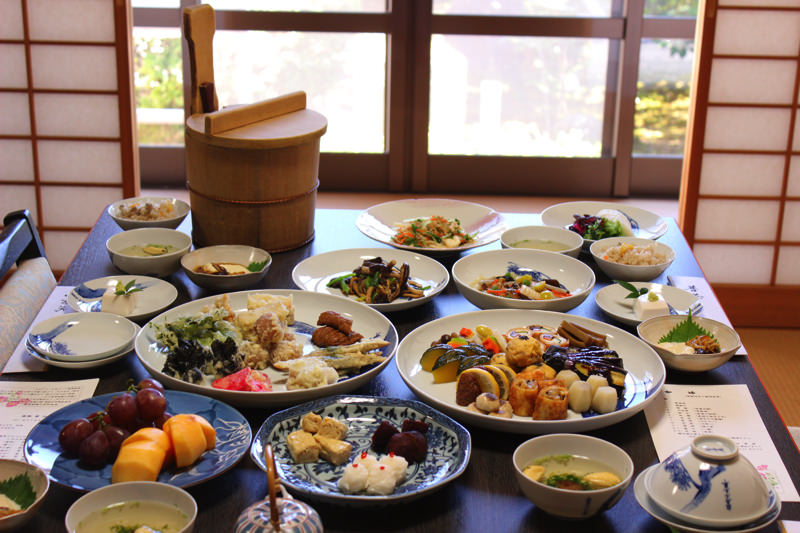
<point>486,497</point>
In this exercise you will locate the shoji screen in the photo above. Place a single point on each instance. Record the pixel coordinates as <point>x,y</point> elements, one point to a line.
<point>741,184</point>
<point>67,143</point>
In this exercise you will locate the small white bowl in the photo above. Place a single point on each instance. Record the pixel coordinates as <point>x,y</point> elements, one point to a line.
<point>709,483</point>
<point>655,328</point>
<point>178,209</point>
<point>130,492</point>
<point>158,265</point>
<point>572,504</point>
<point>630,272</point>
<point>226,253</point>
<point>571,273</point>
<point>517,237</point>
<point>39,481</point>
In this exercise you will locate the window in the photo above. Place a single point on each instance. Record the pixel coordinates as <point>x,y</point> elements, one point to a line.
<point>504,97</point>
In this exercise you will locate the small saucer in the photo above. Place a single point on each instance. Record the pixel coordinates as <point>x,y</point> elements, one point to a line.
<point>155,295</point>
<point>647,503</point>
<point>77,365</point>
<point>82,336</point>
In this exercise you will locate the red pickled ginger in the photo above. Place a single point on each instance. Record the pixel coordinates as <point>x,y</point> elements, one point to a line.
<point>245,379</point>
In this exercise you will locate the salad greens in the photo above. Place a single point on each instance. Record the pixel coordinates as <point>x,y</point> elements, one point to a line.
<point>204,329</point>
<point>19,489</point>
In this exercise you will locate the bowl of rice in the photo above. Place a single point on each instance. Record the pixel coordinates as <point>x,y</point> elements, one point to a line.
<point>149,212</point>
<point>632,258</point>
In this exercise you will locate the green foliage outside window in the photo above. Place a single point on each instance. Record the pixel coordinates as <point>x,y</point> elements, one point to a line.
<point>158,80</point>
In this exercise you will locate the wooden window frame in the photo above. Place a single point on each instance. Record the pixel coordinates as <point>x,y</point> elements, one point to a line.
<point>406,165</point>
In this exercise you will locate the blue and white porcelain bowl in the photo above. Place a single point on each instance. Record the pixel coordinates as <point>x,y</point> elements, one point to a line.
<point>82,336</point>
<point>709,483</point>
<point>449,447</point>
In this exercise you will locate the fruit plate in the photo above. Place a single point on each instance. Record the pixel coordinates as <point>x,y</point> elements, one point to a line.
<point>155,295</point>
<point>307,307</point>
<point>233,439</point>
<point>646,224</point>
<point>449,447</point>
<point>315,272</point>
<point>485,224</point>
<point>611,300</point>
<point>645,377</point>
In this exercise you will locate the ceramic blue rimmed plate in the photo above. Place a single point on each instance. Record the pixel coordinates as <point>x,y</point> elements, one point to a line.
<point>155,295</point>
<point>82,336</point>
<point>233,439</point>
<point>78,365</point>
<point>449,447</point>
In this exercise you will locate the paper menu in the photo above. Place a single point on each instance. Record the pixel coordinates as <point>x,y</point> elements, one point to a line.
<point>56,304</point>
<point>24,403</point>
<point>683,412</point>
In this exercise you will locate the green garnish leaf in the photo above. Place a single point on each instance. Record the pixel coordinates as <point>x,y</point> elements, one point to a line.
<point>19,489</point>
<point>128,288</point>
<point>633,292</point>
<point>685,331</point>
<point>256,266</point>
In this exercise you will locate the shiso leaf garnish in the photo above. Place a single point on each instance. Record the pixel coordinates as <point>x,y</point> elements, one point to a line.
<point>685,331</point>
<point>256,267</point>
<point>633,292</point>
<point>19,489</point>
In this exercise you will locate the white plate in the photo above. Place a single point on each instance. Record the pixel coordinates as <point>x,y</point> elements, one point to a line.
<point>378,222</point>
<point>307,307</point>
<point>645,378</point>
<point>640,492</point>
<point>155,296</point>
<point>611,300</point>
<point>647,224</point>
<point>571,273</point>
<point>314,273</point>
<point>82,336</point>
<point>78,365</point>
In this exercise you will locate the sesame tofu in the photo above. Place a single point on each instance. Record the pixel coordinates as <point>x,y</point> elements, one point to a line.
<point>332,428</point>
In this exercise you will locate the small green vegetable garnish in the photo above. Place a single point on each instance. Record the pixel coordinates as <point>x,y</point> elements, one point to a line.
<point>124,290</point>
<point>19,489</point>
<point>633,292</point>
<point>685,331</point>
<point>653,297</point>
<point>256,267</point>
<point>556,480</point>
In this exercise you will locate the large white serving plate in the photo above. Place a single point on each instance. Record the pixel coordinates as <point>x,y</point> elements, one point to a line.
<point>611,300</point>
<point>314,273</point>
<point>645,378</point>
<point>378,222</point>
<point>571,273</point>
<point>646,224</point>
<point>308,305</point>
<point>155,295</point>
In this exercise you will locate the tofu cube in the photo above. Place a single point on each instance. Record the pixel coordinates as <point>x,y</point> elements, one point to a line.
<point>332,428</point>
<point>303,447</point>
<point>310,422</point>
<point>334,451</point>
<point>118,304</point>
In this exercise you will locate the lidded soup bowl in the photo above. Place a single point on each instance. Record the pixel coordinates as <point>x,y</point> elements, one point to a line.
<point>709,483</point>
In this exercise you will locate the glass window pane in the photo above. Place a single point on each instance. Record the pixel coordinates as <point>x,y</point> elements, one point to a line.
<point>352,6</point>
<point>662,96</point>
<point>343,75</point>
<point>158,79</point>
<point>541,8</point>
<point>670,8</point>
<point>517,95</point>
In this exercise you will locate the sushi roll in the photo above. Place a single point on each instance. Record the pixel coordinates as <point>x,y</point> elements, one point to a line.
<point>604,400</point>
<point>580,396</point>
<point>551,403</point>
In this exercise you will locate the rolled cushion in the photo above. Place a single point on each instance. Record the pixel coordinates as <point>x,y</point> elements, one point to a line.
<point>21,298</point>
